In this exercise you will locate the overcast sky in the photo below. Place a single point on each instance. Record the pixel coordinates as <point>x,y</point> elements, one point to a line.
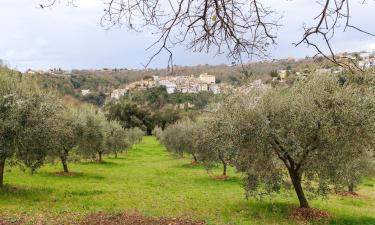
<point>70,37</point>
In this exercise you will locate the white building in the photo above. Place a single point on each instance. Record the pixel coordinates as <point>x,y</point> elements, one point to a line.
<point>364,55</point>
<point>203,87</point>
<point>208,79</point>
<point>30,71</point>
<point>85,92</point>
<point>171,88</point>
<point>215,89</point>
<point>117,93</point>
<point>283,74</point>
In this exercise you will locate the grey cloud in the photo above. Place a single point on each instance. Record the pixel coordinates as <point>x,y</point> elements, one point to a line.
<point>71,37</point>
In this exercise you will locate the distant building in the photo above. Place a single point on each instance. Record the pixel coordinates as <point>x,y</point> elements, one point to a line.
<point>208,79</point>
<point>203,87</point>
<point>364,55</point>
<point>30,71</point>
<point>85,92</point>
<point>366,63</point>
<point>118,93</point>
<point>171,88</point>
<point>283,74</point>
<point>215,89</point>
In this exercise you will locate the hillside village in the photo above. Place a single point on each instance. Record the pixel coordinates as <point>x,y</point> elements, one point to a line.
<point>172,84</point>
<point>213,79</point>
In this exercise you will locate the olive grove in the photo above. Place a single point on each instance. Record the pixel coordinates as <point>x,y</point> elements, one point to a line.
<point>316,136</point>
<point>36,124</point>
<point>312,133</point>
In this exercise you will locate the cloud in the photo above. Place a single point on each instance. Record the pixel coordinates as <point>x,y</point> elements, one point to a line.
<point>70,37</point>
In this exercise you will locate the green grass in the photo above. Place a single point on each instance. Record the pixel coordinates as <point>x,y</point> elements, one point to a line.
<point>150,181</point>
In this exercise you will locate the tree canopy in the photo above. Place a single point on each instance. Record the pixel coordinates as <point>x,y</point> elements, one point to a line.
<point>310,132</point>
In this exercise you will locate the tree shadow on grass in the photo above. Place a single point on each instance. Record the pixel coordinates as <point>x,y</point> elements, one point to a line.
<point>209,180</point>
<point>74,177</point>
<point>82,193</point>
<point>105,164</point>
<point>190,166</point>
<point>123,157</point>
<point>24,193</point>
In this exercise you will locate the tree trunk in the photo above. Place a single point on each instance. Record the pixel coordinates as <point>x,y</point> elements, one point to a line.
<point>351,187</point>
<point>115,155</point>
<point>224,168</point>
<point>195,158</point>
<point>100,157</point>
<point>64,158</point>
<point>296,180</point>
<point>224,165</point>
<point>2,165</point>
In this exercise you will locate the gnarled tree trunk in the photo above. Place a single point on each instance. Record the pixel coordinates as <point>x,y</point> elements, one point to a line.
<point>195,158</point>
<point>224,168</point>
<point>351,187</point>
<point>296,180</point>
<point>100,157</point>
<point>64,161</point>
<point>224,165</point>
<point>2,165</point>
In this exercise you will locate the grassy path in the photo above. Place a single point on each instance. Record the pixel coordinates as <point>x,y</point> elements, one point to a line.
<point>152,182</point>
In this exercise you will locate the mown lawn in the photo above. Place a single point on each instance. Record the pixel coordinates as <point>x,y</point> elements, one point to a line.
<point>150,181</point>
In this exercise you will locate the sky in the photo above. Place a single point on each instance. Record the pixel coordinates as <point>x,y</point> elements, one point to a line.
<point>72,38</point>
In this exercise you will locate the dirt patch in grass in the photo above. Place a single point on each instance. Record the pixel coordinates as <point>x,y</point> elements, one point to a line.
<point>220,177</point>
<point>349,194</point>
<point>65,174</point>
<point>3,222</point>
<point>309,214</point>
<point>10,221</point>
<point>134,219</point>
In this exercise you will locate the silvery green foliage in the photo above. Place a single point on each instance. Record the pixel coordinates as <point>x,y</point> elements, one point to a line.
<point>8,114</point>
<point>93,135</point>
<point>37,126</point>
<point>222,131</point>
<point>310,132</point>
<point>181,136</point>
<point>100,136</point>
<point>134,135</point>
<point>28,118</point>
<point>116,140</point>
<point>157,132</point>
<point>67,133</point>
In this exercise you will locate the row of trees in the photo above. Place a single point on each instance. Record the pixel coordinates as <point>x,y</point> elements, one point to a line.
<point>316,136</point>
<point>35,125</point>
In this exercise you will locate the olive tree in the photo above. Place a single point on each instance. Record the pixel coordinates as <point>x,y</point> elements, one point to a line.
<point>134,135</point>
<point>116,138</point>
<point>8,119</point>
<point>92,141</point>
<point>157,132</point>
<point>310,133</point>
<point>216,140</point>
<point>351,172</point>
<point>27,121</point>
<point>38,116</point>
<point>68,133</point>
<point>180,138</point>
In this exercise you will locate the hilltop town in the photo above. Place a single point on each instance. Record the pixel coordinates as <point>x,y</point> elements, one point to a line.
<point>99,85</point>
